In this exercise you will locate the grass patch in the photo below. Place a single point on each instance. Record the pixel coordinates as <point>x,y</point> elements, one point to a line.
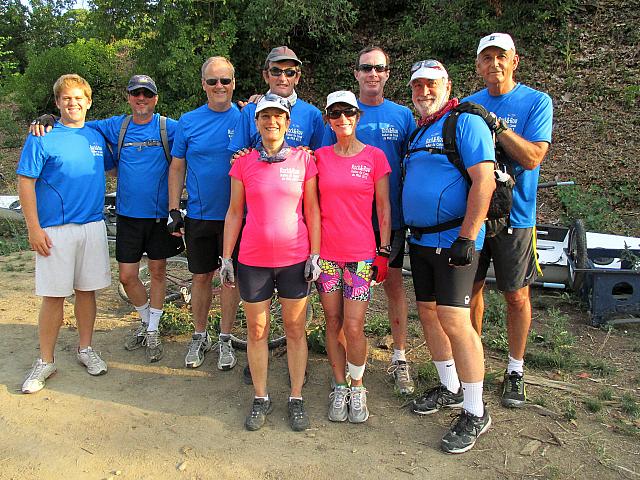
<point>606,394</point>
<point>377,325</point>
<point>426,373</point>
<point>593,405</point>
<point>495,322</point>
<point>553,347</point>
<point>600,367</point>
<point>177,320</point>
<point>569,411</point>
<point>630,405</point>
<point>13,237</point>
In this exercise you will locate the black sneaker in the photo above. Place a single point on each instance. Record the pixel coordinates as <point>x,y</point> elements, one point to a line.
<point>435,399</point>
<point>298,417</point>
<point>260,408</point>
<point>464,432</point>
<point>514,394</point>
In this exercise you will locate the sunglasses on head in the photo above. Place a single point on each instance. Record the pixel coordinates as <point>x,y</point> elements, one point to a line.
<point>289,72</point>
<point>143,91</point>
<point>336,113</point>
<point>366,67</point>
<point>271,97</point>
<point>426,63</point>
<point>212,82</point>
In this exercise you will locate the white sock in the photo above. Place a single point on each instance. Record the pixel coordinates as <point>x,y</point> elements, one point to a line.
<point>295,398</point>
<point>448,374</point>
<point>356,372</point>
<point>398,355</point>
<point>154,319</point>
<point>515,365</point>
<point>204,334</point>
<point>143,311</point>
<point>262,398</point>
<point>473,398</point>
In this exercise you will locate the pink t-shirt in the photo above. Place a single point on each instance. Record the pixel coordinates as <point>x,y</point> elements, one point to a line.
<point>275,234</point>
<point>346,186</point>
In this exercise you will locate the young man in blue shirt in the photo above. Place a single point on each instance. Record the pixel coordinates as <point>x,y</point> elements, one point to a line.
<point>61,187</point>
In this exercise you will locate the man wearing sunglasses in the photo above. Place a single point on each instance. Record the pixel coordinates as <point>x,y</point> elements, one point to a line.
<point>281,72</point>
<point>524,134</point>
<point>387,126</point>
<point>200,152</point>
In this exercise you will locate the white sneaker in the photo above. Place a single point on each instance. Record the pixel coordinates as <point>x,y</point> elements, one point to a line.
<point>198,347</point>
<point>40,371</point>
<point>226,355</point>
<point>339,403</point>
<point>90,359</point>
<point>153,343</point>
<point>358,411</point>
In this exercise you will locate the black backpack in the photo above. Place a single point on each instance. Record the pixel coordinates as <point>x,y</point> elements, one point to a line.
<point>502,199</point>
<point>164,141</point>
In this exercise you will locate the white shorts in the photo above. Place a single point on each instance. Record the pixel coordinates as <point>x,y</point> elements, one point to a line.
<point>78,260</point>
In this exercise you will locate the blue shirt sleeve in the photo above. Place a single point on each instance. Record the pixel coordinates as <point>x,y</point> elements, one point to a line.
<point>318,132</point>
<point>474,140</point>
<point>179,149</point>
<point>242,132</point>
<point>32,158</point>
<point>540,120</point>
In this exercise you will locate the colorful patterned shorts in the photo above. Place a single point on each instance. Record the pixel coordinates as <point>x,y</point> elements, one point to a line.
<point>353,278</point>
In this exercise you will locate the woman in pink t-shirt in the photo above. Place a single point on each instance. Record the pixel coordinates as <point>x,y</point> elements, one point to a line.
<point>351,175</point>
<point>278,250</point>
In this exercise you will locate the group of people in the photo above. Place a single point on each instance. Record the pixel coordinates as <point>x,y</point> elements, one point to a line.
<point>281,196</point>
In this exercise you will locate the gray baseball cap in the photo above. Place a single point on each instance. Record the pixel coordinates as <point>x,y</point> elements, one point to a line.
<point>280,54</point>
<point>142,81</point>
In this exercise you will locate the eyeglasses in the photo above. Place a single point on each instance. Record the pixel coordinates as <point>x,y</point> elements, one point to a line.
<point>212,82</point>
<point>366,67</point>
<point>271,97</point>
<point>143,91</point>
<point>427,64</point>
<point>289,72</point>
<point>336,113</point>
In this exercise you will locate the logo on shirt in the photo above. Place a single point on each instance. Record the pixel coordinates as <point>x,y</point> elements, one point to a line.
<point>295,133</point>
<point>96,150</point>
<point>230,132</point>
<point>389,132</point>
<point>360,171</point>
<point>434,141</point>
<point>511,120</point>
<point>290,174</point>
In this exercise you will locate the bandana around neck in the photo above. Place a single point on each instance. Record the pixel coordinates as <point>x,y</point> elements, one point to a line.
<point>292,98</point>
<point>281,156</point>
<point>428,120</point>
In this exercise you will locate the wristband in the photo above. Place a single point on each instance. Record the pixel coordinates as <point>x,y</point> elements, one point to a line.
<point>502,126</point>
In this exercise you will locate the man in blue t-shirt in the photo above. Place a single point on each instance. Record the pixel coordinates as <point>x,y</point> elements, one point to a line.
<point>200,152</point>
<point>386,125</point>
<point>446,220</point>
<point>524,134</point>
<point>61,188</point>
<point>282,73</point>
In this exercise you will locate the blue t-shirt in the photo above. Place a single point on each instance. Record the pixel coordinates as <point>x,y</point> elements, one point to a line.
<point>306,128</point>
<point>434,190</point>
<point>143,170</point>
<point>529,113</point>
<point>69,165</point>
<point>201,139</point>
<point>388,127</point>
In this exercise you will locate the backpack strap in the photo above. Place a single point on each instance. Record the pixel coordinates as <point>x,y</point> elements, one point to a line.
<point>449,141</point>
<point>164,138</point>
<point>123,132</point>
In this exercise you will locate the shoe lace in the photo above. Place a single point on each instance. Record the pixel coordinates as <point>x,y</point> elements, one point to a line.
<point>402,373</point>
<point>435,394</point>
<point>357,398</point>
<point>194,346</point>
<point>92,356</point>
<point>226,349</point>
<point>339,397</point>
<point>297,408</point>
<point>35,371</point>
<point>514,382</point>
<point>463,423</point>
<point>153,339</point>
<point>258,407</point>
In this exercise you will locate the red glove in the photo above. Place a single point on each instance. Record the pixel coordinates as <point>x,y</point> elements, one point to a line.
<point>379,267</point>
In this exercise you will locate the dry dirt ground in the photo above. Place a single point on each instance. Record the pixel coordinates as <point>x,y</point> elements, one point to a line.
<point>149,421</point>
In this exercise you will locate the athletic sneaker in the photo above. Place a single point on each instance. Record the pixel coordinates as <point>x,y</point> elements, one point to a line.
<point>154,350</point>
<point>513,391</point>
<point>198,346</point>
<point>298,417</point>
<point>464,432</point>
<point>401,377</point>
<point>90,359</point>
<point>260,408</point>
<point>40,371</point>
<point>435,399</point>
<point>226,355</point>
<point>135,339</point>
<point>339,403</point>
<point>358,411</point>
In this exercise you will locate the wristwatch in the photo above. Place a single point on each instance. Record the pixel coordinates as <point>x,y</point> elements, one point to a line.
<point>502,126</point>
<point>384,250</point>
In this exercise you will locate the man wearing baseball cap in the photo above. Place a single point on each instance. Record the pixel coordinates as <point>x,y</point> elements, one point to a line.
<point>524,134</point>
<point>281,71</point>
<point>446,220</point>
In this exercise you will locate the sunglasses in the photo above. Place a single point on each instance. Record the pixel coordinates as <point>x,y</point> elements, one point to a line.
<point>289,72</point>
<point>336,113</point>
<point>212,82</point>
<point>271,97</point>
<point>428,64</point>
<point>143,91</point>
<point>366,67</point>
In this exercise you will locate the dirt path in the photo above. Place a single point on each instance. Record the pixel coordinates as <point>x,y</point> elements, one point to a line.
<point>143,421</point>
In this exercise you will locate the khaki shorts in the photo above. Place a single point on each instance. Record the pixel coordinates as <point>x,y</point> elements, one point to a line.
<point>78,260</point>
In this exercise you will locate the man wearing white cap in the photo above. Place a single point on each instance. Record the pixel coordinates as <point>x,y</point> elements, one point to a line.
<point>446,220</point>
<point>524,133</point>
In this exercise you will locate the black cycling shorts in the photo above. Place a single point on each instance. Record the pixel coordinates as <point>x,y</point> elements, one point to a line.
<point>135,236</point>
<point>435,280</point>
<point>513,256</point>
<point>204,244</point>
<point>398,237</point>
<point>257,284</point>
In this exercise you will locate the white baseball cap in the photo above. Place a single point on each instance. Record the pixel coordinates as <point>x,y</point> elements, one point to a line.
<point>430,69</point>
<point>500,40</point>
<point>342,96</point>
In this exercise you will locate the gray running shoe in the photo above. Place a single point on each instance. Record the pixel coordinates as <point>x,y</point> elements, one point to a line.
<point>464,431</point>
<point>514,393</point>
<point>435,399</point>
<point>339,403</point>
<point>298,417</point>
<point>260,408</point>
<point>154,350</point>
<point>40,371</point>
<point>226,355</point>
<point>198,347</point>
<point>90,359</point>
<point>135,339</point>
<point>403,383</point>
<point>358,411</point>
